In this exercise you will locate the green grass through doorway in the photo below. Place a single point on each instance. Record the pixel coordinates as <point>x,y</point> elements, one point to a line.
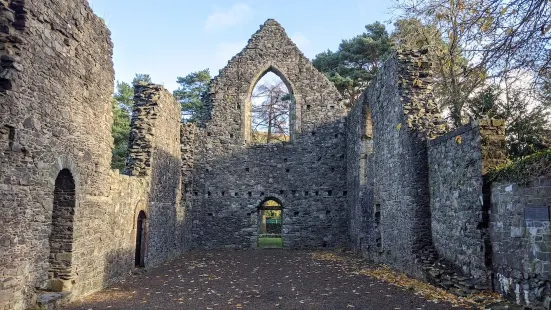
<point>270,243</point>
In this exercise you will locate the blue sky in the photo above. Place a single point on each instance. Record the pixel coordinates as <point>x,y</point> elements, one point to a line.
<point>171,38</point>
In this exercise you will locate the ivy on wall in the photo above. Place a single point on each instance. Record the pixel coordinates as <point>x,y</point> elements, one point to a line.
<point>524,169</point>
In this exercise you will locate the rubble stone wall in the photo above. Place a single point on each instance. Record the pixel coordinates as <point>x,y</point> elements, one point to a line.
<point>383,177</point>
<point>231,176</point>
<point>458,162</point>
<point>55,114</point>
<point>55,109</point>
<point>521,245</point>
<point>155,141</point>
<point>187,150</point>
<point>359,174</point>
<point>404,117</point>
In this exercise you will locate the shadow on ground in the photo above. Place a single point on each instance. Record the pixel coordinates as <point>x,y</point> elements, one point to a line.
<point>255,279</point>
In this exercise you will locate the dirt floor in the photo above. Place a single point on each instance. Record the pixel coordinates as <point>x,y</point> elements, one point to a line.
<point>257,279</point>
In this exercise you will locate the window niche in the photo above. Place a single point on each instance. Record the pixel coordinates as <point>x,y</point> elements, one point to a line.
<point>377,218</point>
<point>7,137</point>
<point>366,140</point>
<point>270,110</point>
<point>377,214</point>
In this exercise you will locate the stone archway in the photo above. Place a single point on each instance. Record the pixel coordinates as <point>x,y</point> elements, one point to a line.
<point>61,235</point>
<point>270,219</point>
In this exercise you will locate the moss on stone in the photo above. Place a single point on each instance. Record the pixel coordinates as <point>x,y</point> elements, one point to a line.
<point>524,169</point>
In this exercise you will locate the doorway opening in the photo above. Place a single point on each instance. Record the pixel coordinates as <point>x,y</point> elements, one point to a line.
<point>270,214</point>
<point>61,235</point>
<point>139,260</point>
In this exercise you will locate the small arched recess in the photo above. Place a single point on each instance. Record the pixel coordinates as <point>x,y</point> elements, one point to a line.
<point>294,108</point>
<point>61,277</point>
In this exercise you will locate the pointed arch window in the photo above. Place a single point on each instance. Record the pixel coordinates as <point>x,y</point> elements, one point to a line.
<point>270,115</point>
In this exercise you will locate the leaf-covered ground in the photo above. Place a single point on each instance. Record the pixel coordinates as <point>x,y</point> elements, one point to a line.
<point>263,279</point>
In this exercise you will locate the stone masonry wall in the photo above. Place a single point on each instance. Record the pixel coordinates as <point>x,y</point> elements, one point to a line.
<point>386,191</point>
<point>155,190</point>
<point>459,208</point>
<point>56,82</point>
<point>231,177</point>
<point>187,149</point>
<point>187,144</point>
<point>108,235</point>
<point>144,118</point>
<point>421,201</point>
<point>359,142</point>
<point>13,17</point>
<point>404,116</point>
<point>417,196</point>
<point>128,196</point>
<point>522,246</point>
<point>353,160</point>
<point>155,145</point>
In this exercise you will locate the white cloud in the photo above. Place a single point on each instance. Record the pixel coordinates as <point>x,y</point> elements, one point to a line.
<point>225,18</point>
<point>224,52</point>
<point>300,40</point>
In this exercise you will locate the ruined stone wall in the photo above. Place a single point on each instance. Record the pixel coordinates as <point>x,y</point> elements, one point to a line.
<point>152,186</point>
<point>107,241</point>
<point>353,159</point>
<point>116,250</point>
<point>155,152</point>
<point>404,116</point>
<point>359,143</point>
<point>187,149</point>
<point>57,79</point>
<point>406,204</point>
<point>421,201</point>
<point>187,145</point>
<point>55,114</point>
<point>521,244</point>
<point>459,202</point>
<point>418,200</point>
<point>231,177</point>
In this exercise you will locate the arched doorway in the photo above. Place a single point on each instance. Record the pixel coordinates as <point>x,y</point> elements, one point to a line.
<point>270,218</point>
<point>139,260</point>
<point>61,235</point>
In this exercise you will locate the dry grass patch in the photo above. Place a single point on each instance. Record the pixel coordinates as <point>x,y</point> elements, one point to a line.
<point>430,292</point>
<point>427,291</point>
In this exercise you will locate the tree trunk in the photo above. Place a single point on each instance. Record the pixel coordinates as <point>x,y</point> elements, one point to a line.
<point>270,117</point>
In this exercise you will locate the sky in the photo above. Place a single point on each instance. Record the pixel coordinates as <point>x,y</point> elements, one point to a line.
<point>171,38</point>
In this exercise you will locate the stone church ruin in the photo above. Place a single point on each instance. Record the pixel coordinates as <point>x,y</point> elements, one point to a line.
<point>384,178</point>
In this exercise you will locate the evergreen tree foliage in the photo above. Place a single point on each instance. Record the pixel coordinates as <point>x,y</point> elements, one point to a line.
<point>191,92</point>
